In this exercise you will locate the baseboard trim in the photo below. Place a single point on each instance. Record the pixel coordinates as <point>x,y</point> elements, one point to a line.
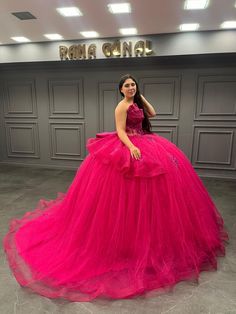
<point>41,166</point>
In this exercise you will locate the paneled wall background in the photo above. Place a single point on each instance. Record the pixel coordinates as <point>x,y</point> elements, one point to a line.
<point>48,112</point>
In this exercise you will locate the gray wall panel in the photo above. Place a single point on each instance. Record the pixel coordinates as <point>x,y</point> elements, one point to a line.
<point>164,92</point>
<point>170,132</point>
<point>216,98</point>
<point>48,112</point>
<point>214,147</point>
<point>67,141</point>
<point>109,96</point>
<point>20,98</point>
<point>66,98</point>
<point>22,139</point>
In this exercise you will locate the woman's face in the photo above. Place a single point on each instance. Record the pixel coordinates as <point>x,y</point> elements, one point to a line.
<point>129,88</point>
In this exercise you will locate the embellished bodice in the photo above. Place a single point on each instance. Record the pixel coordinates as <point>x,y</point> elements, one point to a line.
<point>134,120</point>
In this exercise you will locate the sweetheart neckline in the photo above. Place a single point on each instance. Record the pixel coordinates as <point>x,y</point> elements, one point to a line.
<point>135,105</point>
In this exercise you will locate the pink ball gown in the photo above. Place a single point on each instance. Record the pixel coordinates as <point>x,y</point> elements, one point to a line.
<point>124,227</point>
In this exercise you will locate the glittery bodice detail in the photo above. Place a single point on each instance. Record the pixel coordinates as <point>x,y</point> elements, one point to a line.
<point>134,120</point>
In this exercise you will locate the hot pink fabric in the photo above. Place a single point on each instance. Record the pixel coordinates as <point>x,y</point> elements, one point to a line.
<point>123,228</point>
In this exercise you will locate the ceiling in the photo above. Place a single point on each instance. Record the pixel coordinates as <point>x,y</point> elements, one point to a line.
<point>148,16</point>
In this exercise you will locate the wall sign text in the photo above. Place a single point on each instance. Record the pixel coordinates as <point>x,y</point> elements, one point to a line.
<point>109,49</point>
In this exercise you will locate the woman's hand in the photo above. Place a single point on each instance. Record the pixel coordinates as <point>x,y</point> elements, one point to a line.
<point>135,152</point>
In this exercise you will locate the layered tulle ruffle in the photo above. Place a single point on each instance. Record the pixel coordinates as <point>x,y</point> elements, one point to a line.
<point>110,150</point>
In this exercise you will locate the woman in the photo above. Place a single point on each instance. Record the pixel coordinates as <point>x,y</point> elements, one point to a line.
<point>136,218</point>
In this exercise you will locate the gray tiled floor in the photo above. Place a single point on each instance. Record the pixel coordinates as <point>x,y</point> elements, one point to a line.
<point>21,188</point>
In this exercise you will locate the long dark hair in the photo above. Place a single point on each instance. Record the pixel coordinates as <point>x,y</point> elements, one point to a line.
<point>146,125</point>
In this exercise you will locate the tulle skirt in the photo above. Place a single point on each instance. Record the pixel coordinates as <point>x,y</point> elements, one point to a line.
<point>123,228</point>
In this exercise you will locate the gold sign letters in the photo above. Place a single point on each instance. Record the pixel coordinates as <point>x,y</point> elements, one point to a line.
<point>116,49</point>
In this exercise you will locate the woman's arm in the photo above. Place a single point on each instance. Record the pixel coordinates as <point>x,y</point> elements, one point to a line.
<point>150,110</point>
<point>120,118</point>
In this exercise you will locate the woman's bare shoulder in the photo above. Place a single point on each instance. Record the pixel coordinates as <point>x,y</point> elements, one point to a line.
<point>122,106</point>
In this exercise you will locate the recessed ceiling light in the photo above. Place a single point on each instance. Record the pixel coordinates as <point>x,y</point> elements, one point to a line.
<point>21,39</point>
<point>89,34</point>
<point>119,8</point>
<point>228,24</point>
<point>128,31</point>
<point>69,11</point>
<point>195,4</point>
<point>53,36</point>
<point>189,27</point>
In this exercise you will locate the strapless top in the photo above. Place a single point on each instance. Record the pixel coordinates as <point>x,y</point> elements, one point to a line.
<point>109,149</point>
<point>134,120</point>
